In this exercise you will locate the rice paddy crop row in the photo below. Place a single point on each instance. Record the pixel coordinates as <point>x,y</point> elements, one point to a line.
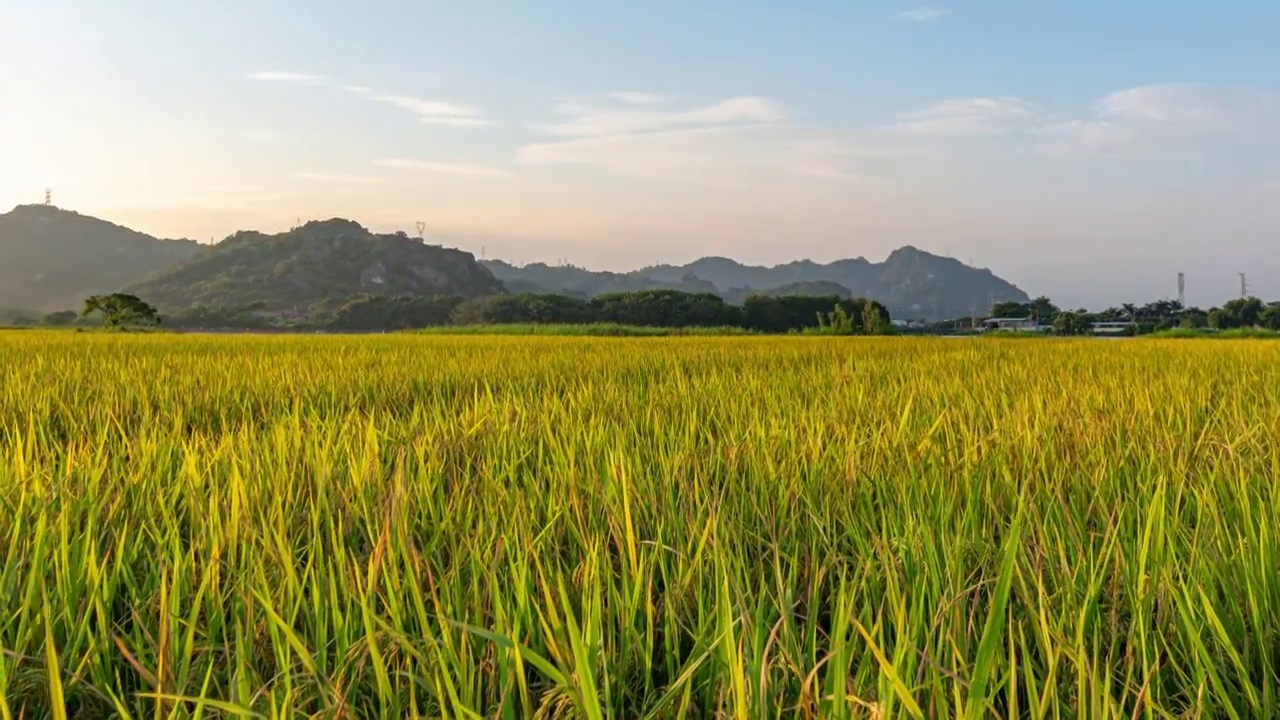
<point>521,527</point>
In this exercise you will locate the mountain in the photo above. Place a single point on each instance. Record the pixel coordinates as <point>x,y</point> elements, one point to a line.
<point>912,283</point>
<point>313,265</point>
<point>576,281</point>
<point>52,259</point>
<point>808,287</point>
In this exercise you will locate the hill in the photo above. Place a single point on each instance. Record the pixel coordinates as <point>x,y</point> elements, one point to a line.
<point>912,283</point>
<point>312,265</point>
<point>51,259</point>
<point>808,287</point>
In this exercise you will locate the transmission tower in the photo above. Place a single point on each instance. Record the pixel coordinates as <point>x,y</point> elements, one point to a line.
<point>422,229</point>
<point>1244,286</point>
<point>1182,290</point>
<point>48,196</point>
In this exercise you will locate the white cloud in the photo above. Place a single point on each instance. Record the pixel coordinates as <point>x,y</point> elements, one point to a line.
<point>737,142</point>
<point>923,14</point>
<point>429,112</point>
<point>295,78</point>
<point>435,112</point>
<point>462,169</point>
<point>639,98</point>
<point>339,179</point>
<point>975,116</point>
<point>426,108</point>
<point>600,122</point>
<point>734,156</point>
<point>1161,117</point>
<point>457,122</point>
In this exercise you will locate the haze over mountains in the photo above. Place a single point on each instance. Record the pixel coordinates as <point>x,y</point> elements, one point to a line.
<point>910,282</point>
<point>51,259</point>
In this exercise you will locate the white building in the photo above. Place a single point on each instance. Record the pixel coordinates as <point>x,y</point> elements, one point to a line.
<point>1011,325</point>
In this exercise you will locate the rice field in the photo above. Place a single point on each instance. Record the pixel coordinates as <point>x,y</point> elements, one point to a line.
<point>569,527</point>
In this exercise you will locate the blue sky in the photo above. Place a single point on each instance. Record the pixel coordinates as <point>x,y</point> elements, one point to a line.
<point>1088,150</point>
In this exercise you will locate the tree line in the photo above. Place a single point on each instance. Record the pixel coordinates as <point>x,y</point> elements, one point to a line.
<point>644,308</point>
<point>829,314</point>
<point>1160,315</point>
<point>665,308</point>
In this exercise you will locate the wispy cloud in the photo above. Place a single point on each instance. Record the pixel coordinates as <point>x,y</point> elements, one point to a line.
<point>706,156</point>
<point>1163,117</point>
<point>923,14</point>
<point>739,143</point>
<point>974,116</point>
<point>429,112</point>
<point>1143,119</point>
<point>339,179</point>
<point>433,111</point>
<point>294,78</point>
<point>602,122</point>
<point>639,98</point>
<point>462,169</point>
<point>731,156</point>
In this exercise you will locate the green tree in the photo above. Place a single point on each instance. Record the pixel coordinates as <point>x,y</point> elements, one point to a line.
<point>550,308</point>
<point>1270,318</point>
<point>1043,310</point>
<point>874,318</point>
<point>1011,310</point>
<point>120,309</point>
<point>1193,318</point>
<point>666,308</point>
<point>1070,323</point>
<point>837,322</point>
<point>380,312</point>
<point>1238,313</point>
<point>60,318</point>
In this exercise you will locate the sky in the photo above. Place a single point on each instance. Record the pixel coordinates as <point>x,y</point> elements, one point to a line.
<point>1084,149</point>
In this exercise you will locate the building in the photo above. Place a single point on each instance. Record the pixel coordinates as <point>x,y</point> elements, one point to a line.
<point>1011,325</point>
<point>1118,327</point>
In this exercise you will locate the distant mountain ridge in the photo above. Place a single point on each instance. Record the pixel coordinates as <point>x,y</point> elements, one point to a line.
<point>316,264</point>
<point>912,283</point>
<point>52,259</point>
